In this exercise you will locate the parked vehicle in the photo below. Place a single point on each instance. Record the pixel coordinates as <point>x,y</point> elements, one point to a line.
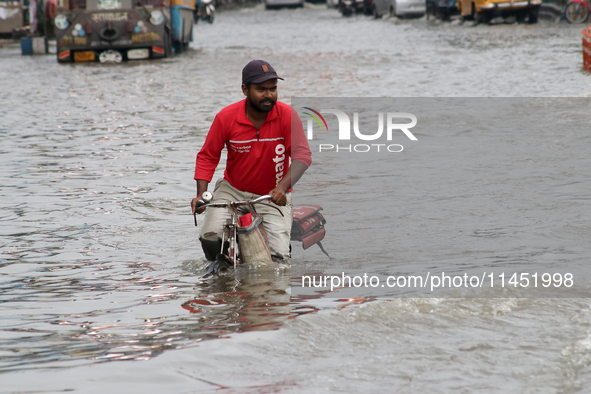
<point>274,4</point>
<point>408,8</point>
<point>482,11</point>
<point>577,11</point>
<point>204,10</point>
<point>11,17</point>
<point>368,7</point>
<point>399,8</point>
<point>116,30</point>
<point>442,9</point>
<point>350,7</point>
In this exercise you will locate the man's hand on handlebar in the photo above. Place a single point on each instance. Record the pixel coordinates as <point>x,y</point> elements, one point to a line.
<point>196,205</point>
<point>279,196</point>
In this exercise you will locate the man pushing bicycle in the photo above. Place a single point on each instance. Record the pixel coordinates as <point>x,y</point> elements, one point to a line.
<point>261,136</point>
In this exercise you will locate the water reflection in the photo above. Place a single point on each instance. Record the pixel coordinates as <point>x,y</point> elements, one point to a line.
<point>246,301</point>
<point>63,319</point>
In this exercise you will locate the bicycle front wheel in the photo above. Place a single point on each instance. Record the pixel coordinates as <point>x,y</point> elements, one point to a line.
<point>576,12</point>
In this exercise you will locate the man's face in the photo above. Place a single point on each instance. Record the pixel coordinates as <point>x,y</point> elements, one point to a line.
<point>262,96</point>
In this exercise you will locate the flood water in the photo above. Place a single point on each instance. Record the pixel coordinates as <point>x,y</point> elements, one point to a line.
<point>99,288</point>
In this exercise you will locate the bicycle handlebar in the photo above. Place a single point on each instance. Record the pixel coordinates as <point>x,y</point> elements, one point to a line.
<point>237,203</point>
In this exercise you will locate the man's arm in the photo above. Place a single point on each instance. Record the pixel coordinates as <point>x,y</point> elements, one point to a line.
<point>301,159</point>
<point>293,174</point>
<point>207,160</point>
<point>201,188</point>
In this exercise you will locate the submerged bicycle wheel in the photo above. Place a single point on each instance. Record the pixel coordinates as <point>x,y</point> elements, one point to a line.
<point>576,12</point>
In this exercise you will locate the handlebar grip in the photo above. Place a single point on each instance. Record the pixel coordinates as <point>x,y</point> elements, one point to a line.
<point>206,197</point>
<point>261,198</point>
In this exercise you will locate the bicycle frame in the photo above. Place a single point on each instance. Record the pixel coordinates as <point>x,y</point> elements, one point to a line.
<point>230,231</point>
<point>582,2</point>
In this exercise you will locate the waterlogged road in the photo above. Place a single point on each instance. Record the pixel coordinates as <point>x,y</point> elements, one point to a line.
<point>98,282</point>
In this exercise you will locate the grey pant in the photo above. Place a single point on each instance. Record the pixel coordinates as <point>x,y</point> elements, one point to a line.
<point>278,227</point>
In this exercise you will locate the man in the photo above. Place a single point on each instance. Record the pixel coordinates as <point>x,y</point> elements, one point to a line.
<point>257,132</point>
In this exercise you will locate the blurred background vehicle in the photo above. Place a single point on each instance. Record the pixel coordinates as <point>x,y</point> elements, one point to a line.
<point>204,10</point>
<point>577,11</point>
<point>349,7</point>
<point>399,8</point>
<point>275,4</point>
<point>442,9</point>
<point>113,30</point>
<point>483,11</point>
<point>12,17</point>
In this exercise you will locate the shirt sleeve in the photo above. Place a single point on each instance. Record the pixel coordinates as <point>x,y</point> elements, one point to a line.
<point>300,150</point>
<point>208,157</point>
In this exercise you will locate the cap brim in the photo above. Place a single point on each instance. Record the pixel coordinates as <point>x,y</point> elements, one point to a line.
<point>266,78</point>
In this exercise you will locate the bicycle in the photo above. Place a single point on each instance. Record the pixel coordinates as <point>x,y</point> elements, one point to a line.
<point>577,11</point>
<point>244,239</point>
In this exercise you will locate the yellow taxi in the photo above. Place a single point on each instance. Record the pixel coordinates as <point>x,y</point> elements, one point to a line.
<point>483,11</point>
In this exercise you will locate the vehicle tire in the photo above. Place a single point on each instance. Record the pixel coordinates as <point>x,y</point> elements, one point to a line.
<point>211,17</point>
<point>376,15</point>
<point>57,56</point>
<point>475,15</point>
<point>463,18</point>
<point>346,11</point>
<point>436,12</point>
<point>484,17</point>
<point>167,44</point>
<point>576,12</point>
<point>534,12</point>
<point>220,266</point>
<point>520,16</point>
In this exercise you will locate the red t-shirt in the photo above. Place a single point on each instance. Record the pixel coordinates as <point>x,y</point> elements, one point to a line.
<point>256,163</point>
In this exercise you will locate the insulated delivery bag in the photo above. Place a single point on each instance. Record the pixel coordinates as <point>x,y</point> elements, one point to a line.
<point>253,241</point>
<point>308,226</point>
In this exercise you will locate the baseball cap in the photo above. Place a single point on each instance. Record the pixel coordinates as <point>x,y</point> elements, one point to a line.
<point>258,71</point>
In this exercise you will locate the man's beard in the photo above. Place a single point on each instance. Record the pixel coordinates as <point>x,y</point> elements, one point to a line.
<point>258,106</point>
